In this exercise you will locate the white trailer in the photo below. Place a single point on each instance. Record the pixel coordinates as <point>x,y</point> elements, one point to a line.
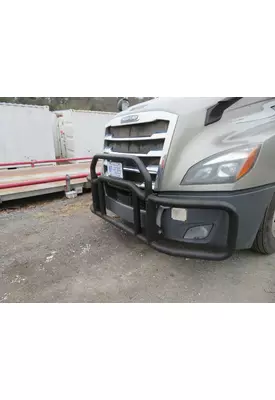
<point>80,133</point>
<point>25,133</point>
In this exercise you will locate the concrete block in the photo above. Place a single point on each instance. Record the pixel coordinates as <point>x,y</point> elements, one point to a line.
<point>71,195</point>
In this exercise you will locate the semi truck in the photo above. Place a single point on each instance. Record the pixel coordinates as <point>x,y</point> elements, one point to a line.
<point>191,177</point>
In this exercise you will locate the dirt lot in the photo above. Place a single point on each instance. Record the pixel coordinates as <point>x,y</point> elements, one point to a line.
<point>57,251</point>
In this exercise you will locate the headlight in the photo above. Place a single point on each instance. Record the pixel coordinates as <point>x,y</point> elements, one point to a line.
<point>225,167</point>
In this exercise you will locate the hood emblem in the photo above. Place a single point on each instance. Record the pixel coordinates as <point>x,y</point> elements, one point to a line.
<point>129,118</point>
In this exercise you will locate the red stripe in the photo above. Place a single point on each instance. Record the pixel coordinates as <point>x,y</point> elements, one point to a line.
<point>33,162</point>
<point>40,181</point>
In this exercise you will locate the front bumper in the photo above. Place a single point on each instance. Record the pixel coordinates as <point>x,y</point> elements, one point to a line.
<point>145,205</point>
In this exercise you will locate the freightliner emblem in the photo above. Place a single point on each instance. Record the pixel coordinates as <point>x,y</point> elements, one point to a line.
<point>129,118</point>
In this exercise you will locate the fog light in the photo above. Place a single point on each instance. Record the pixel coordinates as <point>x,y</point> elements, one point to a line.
<point>198,232</point>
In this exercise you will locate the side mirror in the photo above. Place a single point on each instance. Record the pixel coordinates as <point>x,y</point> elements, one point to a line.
<point>123,104</point>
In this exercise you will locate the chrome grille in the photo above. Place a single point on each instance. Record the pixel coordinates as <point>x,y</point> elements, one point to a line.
<point>145,140</point>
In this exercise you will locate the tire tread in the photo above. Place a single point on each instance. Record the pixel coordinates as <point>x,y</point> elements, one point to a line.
<point>261,243</point>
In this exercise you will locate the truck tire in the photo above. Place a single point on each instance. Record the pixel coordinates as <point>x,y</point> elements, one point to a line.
<point>265,239</point>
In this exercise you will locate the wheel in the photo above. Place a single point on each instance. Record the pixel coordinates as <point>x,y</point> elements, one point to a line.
<point>265,239</point>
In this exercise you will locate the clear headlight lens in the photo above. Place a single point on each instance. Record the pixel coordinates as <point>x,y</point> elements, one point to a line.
<point>226,167</point>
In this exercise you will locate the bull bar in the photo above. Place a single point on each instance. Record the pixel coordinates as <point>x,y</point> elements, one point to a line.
<point>152,200</point>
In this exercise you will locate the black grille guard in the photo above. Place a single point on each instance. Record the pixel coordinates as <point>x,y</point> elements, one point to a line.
<point>152,201</point>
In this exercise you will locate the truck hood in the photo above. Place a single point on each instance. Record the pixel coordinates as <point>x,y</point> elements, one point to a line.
<point>249,120</point>
<point>175,105</point>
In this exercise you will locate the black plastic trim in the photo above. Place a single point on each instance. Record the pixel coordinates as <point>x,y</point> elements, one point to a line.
<point>215,113</point>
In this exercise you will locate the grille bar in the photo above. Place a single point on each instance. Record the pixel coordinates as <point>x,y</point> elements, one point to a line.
<point>152,169</point>
<point>155,136</point>
<point>152,153</point>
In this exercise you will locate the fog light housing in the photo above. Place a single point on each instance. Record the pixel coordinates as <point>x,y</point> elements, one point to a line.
<point>198,232</point>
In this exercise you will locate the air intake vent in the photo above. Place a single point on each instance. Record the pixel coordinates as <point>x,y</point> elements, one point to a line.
<point>215,113</point>
<point>138,130</point>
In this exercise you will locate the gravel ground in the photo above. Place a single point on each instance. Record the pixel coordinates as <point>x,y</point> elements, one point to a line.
<point>58,251</point>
